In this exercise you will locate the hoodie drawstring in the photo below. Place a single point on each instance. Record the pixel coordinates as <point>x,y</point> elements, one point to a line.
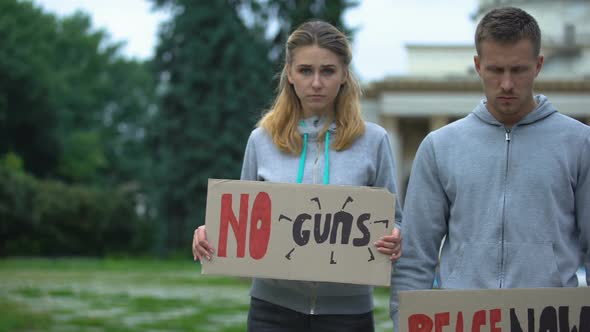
<point>326,159</point>
<point>302,159</point>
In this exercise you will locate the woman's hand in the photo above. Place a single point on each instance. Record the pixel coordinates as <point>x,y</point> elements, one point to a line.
<point>391,245</point>
<point>201,248</point>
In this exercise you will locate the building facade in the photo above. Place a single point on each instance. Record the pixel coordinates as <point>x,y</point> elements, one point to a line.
<point>442,85</point>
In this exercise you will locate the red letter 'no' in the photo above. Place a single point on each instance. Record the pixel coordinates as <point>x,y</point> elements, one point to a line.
<point>259,225</point>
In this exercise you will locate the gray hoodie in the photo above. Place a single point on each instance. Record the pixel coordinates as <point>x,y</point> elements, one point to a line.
<point>514,205</point>
<point>368,162</point>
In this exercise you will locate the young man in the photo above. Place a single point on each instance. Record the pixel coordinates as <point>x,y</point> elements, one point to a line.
<point>508,185</point>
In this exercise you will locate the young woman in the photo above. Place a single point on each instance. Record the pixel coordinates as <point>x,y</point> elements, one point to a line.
<point>314,133</point>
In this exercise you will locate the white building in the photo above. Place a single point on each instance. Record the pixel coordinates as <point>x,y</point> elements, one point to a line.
<point>442,85</point>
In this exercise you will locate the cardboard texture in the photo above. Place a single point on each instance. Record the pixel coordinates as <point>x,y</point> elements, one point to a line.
<point>298,231</point>
<point>497,310</point>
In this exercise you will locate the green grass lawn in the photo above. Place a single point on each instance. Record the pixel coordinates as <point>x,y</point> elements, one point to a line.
<point>127,295</point>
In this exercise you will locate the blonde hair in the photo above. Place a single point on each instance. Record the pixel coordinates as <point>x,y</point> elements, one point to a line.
<point>282,119</point>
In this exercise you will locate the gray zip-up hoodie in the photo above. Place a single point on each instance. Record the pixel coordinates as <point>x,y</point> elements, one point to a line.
<point>368,162</point>
<point>514,205</point>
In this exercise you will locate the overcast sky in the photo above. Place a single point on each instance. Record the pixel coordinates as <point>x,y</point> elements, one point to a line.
<point>384,26</point>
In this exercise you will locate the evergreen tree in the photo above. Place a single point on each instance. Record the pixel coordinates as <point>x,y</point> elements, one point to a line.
<point>215,79</point>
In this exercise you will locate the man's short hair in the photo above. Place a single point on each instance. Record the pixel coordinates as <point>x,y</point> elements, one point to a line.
<point>508,25</point>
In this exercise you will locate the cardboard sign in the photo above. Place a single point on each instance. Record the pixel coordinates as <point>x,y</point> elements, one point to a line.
<point>298,232</point>
<point>496,310</point>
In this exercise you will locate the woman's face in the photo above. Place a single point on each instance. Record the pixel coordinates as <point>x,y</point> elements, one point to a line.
<point>508,72</point>
<point>317,75</point>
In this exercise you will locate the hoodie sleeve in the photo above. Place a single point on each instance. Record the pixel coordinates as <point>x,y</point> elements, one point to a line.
<point>250,165</point>
<point>386,173</point>
<point>582,195</point>
<point>426,212</point>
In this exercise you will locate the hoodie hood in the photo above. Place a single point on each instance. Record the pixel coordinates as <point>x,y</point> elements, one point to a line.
<point>543,110</point>
<point>310,129</point>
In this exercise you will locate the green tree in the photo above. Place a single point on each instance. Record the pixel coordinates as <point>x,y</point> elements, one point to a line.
<point>28,120</point>
<point>73,109</point>
<point>215,81</point>
<point>71,106</point>
<point>127,109</point>
<point>104,102</point>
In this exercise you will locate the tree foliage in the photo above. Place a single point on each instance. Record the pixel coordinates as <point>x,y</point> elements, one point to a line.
<point>215,81</point>
<point>28,120</point>
<point>68,99</point>
<point>73,113</point>
<point>49,218</point>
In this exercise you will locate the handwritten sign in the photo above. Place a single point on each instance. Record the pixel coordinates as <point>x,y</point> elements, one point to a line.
<point>497,310</point>
<point>298,232</point>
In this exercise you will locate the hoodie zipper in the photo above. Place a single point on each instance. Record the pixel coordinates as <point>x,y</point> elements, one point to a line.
<point>318,149</point>
<point>315,162</point>
<point>508,138</point>
<point>313,297</point>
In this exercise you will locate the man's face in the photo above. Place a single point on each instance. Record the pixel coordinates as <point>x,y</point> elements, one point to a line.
<point>508,72</point>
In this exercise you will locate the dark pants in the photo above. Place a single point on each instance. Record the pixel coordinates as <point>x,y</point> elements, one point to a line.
<point>267,317</point>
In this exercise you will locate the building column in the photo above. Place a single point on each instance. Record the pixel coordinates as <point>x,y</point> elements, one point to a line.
<point>391,125</point>
<point>438,121</point>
